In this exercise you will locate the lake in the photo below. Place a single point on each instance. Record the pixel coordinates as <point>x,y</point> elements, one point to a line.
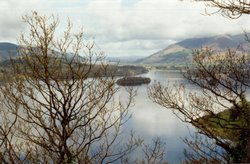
<point>150,120</point>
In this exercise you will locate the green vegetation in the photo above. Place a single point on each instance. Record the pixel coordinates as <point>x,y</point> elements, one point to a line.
<point>222,124</point>
<point>229,123</point>
<point>233,125</point>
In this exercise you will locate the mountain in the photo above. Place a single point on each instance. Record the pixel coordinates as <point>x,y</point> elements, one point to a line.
<point>7,50</point>
<point>181,53</point>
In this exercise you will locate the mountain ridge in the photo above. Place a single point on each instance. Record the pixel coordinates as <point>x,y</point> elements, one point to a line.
<point>7,50</point>
<point>175,54</point>
<point>181,52</point>
<point>10,50</point>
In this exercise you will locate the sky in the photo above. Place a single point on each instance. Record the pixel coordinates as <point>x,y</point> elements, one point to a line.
<point>124,27</point>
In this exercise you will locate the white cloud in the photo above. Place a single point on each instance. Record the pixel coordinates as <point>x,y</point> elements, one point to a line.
<point>120,27</point>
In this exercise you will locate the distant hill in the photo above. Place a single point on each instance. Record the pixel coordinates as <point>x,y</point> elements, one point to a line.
<point>7,50</point>
<point>124,59</point>
<point>181,53</point>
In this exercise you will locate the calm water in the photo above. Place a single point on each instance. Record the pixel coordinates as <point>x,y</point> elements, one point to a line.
<point>150,120</point>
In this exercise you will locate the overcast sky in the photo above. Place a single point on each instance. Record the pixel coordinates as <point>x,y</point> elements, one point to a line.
<point>124,27</point>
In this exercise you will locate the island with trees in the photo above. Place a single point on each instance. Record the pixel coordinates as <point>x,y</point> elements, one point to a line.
<point>132,81</point>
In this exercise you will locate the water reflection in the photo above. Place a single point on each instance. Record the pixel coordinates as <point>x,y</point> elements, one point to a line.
<point>150,120</point>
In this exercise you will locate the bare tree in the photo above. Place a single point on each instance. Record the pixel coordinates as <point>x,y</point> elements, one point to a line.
<point>220,111</point>
<point>151,153</point>
<point>229,8</point>
<point>58,107</point>
<point>154,154</point>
